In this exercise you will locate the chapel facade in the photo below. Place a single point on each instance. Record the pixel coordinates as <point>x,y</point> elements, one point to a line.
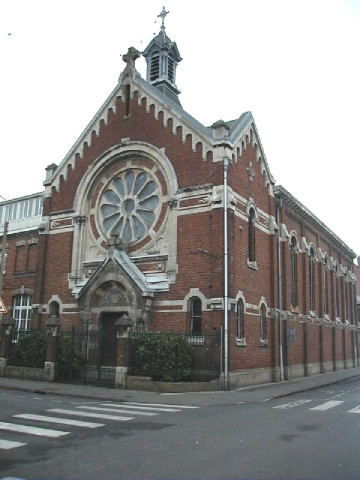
<point>181,228</point>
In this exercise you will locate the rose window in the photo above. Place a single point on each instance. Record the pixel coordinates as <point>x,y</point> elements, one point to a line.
<point>128,206</point>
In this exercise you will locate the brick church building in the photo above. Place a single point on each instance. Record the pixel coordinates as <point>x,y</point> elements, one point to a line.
<point>182,228</point>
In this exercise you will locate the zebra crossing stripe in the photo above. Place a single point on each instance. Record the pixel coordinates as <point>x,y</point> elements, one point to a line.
<point>113,410</point>
<point>90,414</point>
<point>327,405</point>
<point>355,410</point>
<point>159,405</point>
<point>63,421</point>
<point>292,404</point>
<point>42,432</point>
<point>138,407</point>
<point>8,444</point>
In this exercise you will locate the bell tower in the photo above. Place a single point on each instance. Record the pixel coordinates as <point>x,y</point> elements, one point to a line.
<point>162,57</point>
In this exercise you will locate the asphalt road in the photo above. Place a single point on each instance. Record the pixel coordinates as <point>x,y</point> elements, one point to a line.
<point>312,435</point>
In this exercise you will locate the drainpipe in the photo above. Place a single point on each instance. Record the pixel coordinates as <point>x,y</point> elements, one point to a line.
<point>354,318</point>
<point>2,261</point>
<point>281,360</point>
<point>226,313</point>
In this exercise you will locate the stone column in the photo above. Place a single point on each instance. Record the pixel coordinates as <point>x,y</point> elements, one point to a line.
<point>6,328</point>
<point>123,326</point>
<point>52,347</point>
<point>78,252</point>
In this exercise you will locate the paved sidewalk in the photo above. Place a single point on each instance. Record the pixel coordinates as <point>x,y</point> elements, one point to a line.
<point>246,394</point>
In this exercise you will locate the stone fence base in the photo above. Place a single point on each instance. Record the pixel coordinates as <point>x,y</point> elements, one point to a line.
<point>28,373</point>
<point>148,385</point>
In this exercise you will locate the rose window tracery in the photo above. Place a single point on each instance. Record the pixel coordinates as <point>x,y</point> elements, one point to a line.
<point>129,205</point>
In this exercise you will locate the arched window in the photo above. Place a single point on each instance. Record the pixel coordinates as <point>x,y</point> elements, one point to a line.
<point>54,309</point>
<point>312,279</point>
<point>195,316</point>
<point>293,266</point>
<point>263,329</point>
<point>251,235</point>
<point>240,331</point>
<point>326,288</point>
<point>337,295</point>
<point>346,297</point>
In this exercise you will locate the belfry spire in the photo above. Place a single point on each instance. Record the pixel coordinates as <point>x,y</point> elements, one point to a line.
<point>162,57</point>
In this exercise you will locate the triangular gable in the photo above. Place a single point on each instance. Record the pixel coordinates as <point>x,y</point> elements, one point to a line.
<point>118,260</point>
<point>242,128</point>
<point>171,110</point>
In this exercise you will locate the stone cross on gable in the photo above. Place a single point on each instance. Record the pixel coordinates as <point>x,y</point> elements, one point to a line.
<point>130,57</point>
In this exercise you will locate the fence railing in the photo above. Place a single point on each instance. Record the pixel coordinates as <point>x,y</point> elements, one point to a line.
<point>91,356</point>
<point>175,356</point>
<point>86,356</point>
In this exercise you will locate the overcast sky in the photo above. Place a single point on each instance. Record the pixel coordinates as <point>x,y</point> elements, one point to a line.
<point>293,63</point>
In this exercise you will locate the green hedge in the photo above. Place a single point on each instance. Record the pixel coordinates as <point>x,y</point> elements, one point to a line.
<point>165,357</point>
<point>29,349</point>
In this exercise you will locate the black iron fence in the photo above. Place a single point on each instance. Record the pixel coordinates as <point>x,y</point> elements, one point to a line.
<point>90,356</point>
<point>86,356</point>
<point>175,356</point>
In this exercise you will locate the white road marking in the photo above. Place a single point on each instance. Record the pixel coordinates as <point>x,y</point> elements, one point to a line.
<point>63,421</point>
<point>90,414</point>
<point>8,444</point>
<point>327,405</point>
<point>128,405</point>
<point>114,410</point>
<point>293,404</point>
<point>43,432</point>
<point>159,405</point>
<point>355,410</point>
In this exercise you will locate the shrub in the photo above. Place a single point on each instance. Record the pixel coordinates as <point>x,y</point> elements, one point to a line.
<point>166,357</point>
<point>70,351</point>
<point>29,350</point>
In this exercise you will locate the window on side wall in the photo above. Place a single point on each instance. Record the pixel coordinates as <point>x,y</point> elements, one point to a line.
<point>263,329</point>
<point>251,238</point>
<point>294,281</point>
<point>195,316</point>
<point>312,280</point>
<point>240,328</point>
<point>326,289</point>
<point>337,294</point>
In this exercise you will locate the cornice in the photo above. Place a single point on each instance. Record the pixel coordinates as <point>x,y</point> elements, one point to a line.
<point>307,216</point>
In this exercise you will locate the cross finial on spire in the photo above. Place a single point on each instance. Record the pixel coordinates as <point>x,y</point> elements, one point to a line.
<point>162,16</point>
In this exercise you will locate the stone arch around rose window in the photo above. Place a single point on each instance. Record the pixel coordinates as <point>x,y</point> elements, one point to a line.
<point>108,202</point>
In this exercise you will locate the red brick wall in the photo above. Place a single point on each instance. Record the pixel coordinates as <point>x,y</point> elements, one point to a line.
<point>19,270</point>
